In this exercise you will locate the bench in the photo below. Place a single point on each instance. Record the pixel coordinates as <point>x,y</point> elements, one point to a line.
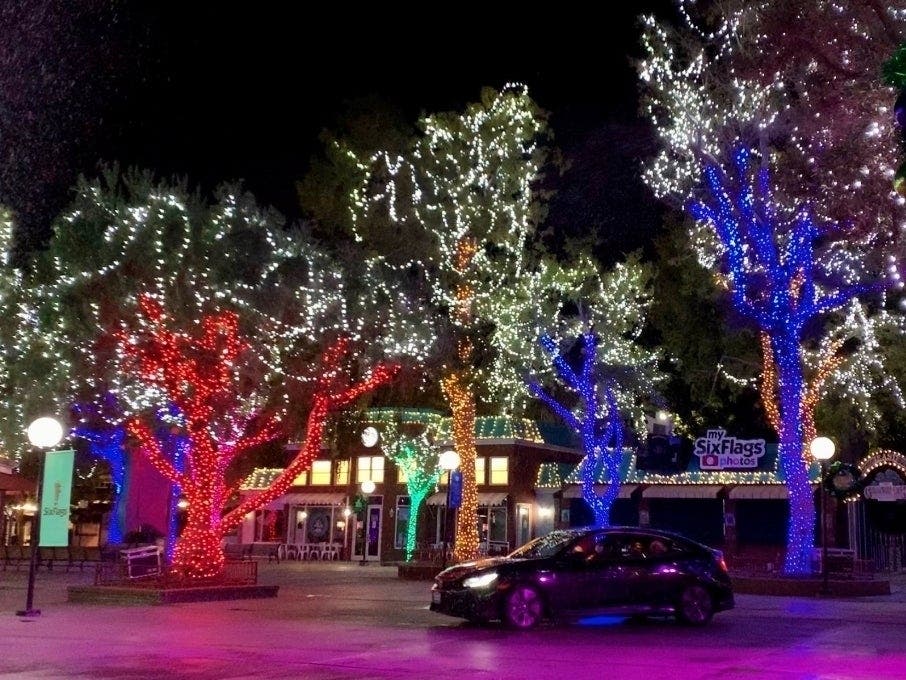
<point>235,551</point>
<point>261,550</point>
<point>252,551</point>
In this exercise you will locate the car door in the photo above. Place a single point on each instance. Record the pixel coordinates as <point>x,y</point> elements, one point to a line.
<point>664,574</point>
<point>578,576</point>
<point>611,569</point>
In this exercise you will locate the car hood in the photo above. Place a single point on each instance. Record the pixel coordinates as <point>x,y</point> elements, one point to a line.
<point>457,571</point>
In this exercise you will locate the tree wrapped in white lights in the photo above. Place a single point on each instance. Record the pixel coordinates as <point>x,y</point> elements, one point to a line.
<point>782,280</point>
<point>460,202</point>
<point>128,237</point>
<point>800,81</point>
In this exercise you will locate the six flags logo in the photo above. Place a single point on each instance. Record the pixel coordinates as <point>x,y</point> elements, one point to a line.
<point>717,451</point>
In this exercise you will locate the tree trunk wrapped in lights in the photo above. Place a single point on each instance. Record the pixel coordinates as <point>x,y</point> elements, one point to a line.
<point>418,458</point>
<point>779,281</point>
<point>460,204</point>
<point>462,404</point>
<point>600,425</point>
<point>802,81</point>
<point>197,373</point>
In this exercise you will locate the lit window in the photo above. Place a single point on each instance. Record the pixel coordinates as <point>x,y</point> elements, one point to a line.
<point>499,471</point>
<point>401,475</point>
<point>370,467</point>
<point>342,472</point>
<point>479,470</point>
<point>320,472</point>
<point>302,479</point>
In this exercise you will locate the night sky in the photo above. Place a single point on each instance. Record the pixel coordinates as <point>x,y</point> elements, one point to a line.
<point>242,90</point>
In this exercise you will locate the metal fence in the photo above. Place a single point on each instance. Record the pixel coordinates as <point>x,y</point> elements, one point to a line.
<point>886,552</point>
<point>236,572</point>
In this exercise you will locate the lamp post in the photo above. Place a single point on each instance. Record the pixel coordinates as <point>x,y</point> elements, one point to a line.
<point>368,488</point>
<point>346,513</point>
<point>449,461</point>
<point>822,450</point>
<point>44,433</point>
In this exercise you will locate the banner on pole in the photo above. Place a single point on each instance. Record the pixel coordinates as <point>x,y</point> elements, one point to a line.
<point>56,490</point>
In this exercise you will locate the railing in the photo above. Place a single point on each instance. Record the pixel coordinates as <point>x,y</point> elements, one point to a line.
<point>236,572</point>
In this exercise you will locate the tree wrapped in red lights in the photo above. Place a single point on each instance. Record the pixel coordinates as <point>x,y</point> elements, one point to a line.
<point>198,374</point>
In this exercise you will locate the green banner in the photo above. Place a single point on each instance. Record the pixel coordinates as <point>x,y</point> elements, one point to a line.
<point>55,493</point>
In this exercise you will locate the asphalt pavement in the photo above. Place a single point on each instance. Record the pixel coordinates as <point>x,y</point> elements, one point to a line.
<point>336,621</point>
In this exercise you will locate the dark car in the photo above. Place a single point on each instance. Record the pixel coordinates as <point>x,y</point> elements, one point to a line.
<point>576,572</point>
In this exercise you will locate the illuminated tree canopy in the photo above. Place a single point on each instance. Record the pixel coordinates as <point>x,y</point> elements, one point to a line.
<point>779,279</point>
<point>462,202</point>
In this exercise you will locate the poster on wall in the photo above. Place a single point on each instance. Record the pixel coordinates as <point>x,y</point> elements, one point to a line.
<point>718,451</point>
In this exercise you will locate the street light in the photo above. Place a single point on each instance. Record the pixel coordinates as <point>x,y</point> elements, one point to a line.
<point>44,433</point>
<point>822,450</point>
<point>346,513</point>
<point>368,488</point>
<point>449,461</point>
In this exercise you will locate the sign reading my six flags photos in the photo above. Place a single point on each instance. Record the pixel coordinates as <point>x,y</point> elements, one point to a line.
<point>717,451</point>
<point>55,492</point>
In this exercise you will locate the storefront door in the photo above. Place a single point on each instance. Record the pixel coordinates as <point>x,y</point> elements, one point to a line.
<point>368,538</point>
<point>524,530</point>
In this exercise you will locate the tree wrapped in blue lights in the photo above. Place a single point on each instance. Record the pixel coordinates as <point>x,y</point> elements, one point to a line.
<point>102,425</point>
<point>106,441</point>
<point>780,279</point>
<point>600,425</point>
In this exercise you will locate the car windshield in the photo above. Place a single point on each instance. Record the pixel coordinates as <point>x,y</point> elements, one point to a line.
<point>545,546</point>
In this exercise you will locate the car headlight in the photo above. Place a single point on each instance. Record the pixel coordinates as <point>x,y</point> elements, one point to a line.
<point>480,581</point>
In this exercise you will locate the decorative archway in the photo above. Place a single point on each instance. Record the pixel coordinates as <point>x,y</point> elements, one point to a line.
<point>879,516</point>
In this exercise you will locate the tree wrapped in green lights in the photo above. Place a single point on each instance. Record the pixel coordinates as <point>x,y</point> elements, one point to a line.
<point>417,457</point>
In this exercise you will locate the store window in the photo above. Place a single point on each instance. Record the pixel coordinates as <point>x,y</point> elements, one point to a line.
<point>480,470</point>
<point>342,472</point>
<point>320,473</point>
<point>370,467</point>
<point>500,471</point>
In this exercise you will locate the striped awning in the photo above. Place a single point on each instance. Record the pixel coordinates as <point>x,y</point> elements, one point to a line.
<point>576,491</point>
<point>762,491</point>
<point>485,499</point>
<point>682,491</point>
<point>314,499</point>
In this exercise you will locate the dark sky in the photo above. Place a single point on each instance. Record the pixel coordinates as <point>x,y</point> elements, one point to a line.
<point>224,91</point>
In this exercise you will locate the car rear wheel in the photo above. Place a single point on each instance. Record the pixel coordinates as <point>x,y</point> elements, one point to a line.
<point>695,606</point>
<point>523,608</point>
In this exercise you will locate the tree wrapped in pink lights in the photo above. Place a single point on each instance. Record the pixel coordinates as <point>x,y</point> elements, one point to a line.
<point>784,273</point>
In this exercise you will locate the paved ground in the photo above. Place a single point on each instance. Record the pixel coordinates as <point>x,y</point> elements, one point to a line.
<point>340,621</point>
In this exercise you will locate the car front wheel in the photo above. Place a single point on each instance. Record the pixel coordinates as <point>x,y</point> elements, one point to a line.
<point>695,606</point>
<point>523,608</point>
